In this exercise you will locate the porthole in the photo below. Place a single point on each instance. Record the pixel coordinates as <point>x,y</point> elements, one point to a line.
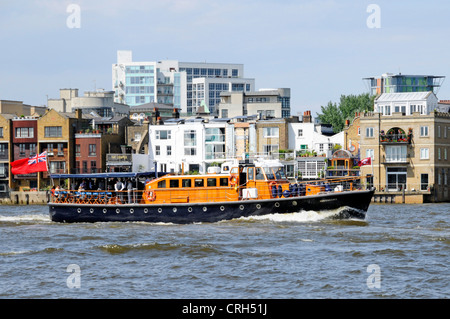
<point>104,210</point>
<point>205,209</point>
<point>174,209</point>
<point>258,206</point>
<point>117,210</point>
<point>294,203</point>
<point>91,210</point>
<point>241,207</point>
<point>277,204</point>
<point>131,210</point>
<point>79,210</point>
<point>190,209</point>
<point>222,208</point>
<point>160,210</point>
<point>145,210</point>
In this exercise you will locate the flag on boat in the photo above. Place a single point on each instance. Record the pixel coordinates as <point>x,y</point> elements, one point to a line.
<point>366,161</point>
<point>37,163</point>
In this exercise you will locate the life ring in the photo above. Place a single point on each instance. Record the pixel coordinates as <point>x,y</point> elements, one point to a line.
<point>149,195</point>
<point>233,180</point>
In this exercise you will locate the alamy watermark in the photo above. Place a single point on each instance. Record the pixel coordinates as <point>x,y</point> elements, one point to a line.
<point>74,279</point>
<point>374,19</point>
<point>74,19</point>
<point>374,279</point>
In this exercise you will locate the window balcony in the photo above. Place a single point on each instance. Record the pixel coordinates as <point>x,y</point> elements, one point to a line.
<point>395,136</point>
<point>395,139</point>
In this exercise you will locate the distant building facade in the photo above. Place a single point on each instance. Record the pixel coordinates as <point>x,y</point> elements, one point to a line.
<point>401,83</point>
<point>266,103</point>
<point>100,103</point>
<point>409,142</point>
<point>182,85</point>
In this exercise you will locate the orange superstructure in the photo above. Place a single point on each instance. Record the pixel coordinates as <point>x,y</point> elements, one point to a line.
<point>248,181</point>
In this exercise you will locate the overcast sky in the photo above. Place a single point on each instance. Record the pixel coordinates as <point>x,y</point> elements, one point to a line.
<point>320,49</point>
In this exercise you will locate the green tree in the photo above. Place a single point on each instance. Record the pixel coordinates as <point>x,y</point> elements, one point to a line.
<point>348,104</point>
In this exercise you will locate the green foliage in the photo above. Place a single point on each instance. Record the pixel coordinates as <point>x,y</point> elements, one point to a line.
<point>349,104</point>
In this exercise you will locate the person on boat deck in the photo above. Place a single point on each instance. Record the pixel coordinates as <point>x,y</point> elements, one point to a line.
<point>52,191</point>
<point>81,190</point>
<point>118,187</point>
<point>129,190</point>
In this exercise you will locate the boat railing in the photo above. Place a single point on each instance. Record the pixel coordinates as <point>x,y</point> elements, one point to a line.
<point>97,197</point>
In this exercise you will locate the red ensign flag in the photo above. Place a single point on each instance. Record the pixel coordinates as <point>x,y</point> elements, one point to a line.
<point>366,161</point>
<point>37,163</point>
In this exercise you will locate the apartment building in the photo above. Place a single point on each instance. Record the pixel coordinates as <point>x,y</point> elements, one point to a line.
<point>403,83</point>
<point>266,103</point>
<point>409,142</point>
<point>190,145</point>
<point>182,85</point>
<point>99,103</point>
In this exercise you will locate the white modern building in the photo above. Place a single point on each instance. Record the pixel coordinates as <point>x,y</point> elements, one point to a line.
<point>308,137</point>
<point>183,85</point>
<point>188,145</point>
<point>314,144</point>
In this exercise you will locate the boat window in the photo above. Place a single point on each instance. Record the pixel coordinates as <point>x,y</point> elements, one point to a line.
<point>234,170</point>
<point>269,173</point>
<point>162,184</point>
<point>250,172</point>
<point>186,183</point>
<point>199,182</point>
<point>259,173</point>
<point>211,182</point>
<point>223,181</point>
<point>174,183</point>
<point>279,173</point>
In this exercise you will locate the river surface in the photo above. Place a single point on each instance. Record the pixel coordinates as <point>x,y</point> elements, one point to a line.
<point>398,251</point>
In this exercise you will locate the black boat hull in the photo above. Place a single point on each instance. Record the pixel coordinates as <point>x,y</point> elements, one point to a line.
<point>352,204</point>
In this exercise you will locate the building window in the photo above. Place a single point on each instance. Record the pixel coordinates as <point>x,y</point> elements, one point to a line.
<point>439,153</point>
<point>423,182</point>
<point>369,131</point>
<point>190,142</point>
<point>53,131</point>
<point>32,149</point>
<point>163,135</point>
<point>169,150</point>
<point>424,153</point>
<point>270,148</point>
<point>93,167</point>
<point>370,153</point>
<point>300,133</point>
<point>1,131</point>
<point>396,153</point>
<point>24,132</point>
<point>92,150</point>
<point>270,132</point>
<point>77,150</point>
<point>60,149</point>
<point>424,131</point>
<point>157,150</point>
<point>22,149</point>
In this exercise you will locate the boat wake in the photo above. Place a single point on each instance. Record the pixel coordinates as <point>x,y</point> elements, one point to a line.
<point>26,218</point>
<point>303,216</point>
